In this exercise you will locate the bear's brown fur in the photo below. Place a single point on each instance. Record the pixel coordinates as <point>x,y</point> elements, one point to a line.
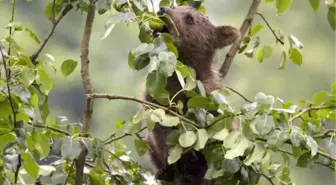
<point>197,41</point>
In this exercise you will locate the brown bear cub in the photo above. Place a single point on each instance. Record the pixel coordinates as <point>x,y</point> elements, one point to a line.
<point>197,41</point>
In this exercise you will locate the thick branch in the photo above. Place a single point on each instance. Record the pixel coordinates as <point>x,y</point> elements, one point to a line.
<point>55,23</point>
<point>243,30</point>
<point>116,97</point>
<point>88,89</point>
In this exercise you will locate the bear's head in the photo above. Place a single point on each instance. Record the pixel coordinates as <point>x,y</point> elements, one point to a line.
<point>196,38</point>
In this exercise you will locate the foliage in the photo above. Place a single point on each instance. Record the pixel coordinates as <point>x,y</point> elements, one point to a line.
<point>238,143</point>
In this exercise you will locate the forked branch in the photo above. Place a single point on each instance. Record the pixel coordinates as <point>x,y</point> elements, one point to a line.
<point>243,30</point>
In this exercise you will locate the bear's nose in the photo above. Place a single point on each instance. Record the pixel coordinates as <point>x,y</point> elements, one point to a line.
<point>163,10</point>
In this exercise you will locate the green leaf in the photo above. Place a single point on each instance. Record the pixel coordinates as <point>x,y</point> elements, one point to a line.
<point>43,79</point>
<point>41,144</point>
<point>304,160</point>
<point>30,164</point>
<point>312,145</point>
<point>170,121</point>
<point>187,139</point>
<point>232,139</point>
<point>238,150</point>
<point>27,75</point>
<point>6,138</point>
<point>256,28</point>
<point>267,51</point>
<point>68,66</point>
<point>165,3</point>
<point>202,138</point>
<point>156,87</point>
<point>49,9</point>
<point>174,154</point>
<point>283,60</point>
<point>264,124</point>
<point>296,139</point>
<point>167,63</point>
<point>191,80</point>
<point>221,135</point>
<point>260,54</point>
<point>315,4</point>
<point>295,41</point>
<point>283,5</point>
<point>5,109</point>
<point>202,102</point>
<point>157,115</point>
<point>295,56</point>
<point>45,170</point>
<point>277,139</point>
<point>70,148</point>
<point>140,147</point>
<point>257,154</point>
<point>32,35</point>
<point>12,42</point>
<point>144,35</point>
<point>331,17</point>
<point>319,97</point>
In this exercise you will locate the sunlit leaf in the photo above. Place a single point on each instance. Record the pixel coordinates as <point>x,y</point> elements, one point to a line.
<point>30,164</point>
<point>256,28</point>
<point>312,145</point>
<point>315,4</point>
<point>71,148</point>
<point>41,144</point>
<point>238,150</point>
<point>187,139</point>
<point>140,147</point>
<point>175,154</point>
<point>283,5</point>
<point>202,138</point>
<point>257,154</point>
<point>295,56</point>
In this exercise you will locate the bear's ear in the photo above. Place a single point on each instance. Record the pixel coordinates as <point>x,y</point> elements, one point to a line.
<point>226,35</point>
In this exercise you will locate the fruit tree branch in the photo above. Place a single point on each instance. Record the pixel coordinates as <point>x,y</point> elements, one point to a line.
<point>88,89</point>
<point>243,30</point>
<point>312,108</point>
<point>272,30</point>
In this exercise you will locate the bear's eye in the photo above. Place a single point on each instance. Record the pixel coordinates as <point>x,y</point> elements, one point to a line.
<point>189,19</point>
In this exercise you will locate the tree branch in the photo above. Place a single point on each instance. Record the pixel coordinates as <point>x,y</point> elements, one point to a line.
<point>87,85</point>
<point>55,23</point>
<point>116,97</point>
<point>326,155</point>
<point>268,178</point>
<point>8,86</point>
<point>272,30</point>
<point>325,134</point>
<point>310,109</point>
<point>50,128</point>
<point>239,94</point>
<point>243,30</point>
<point>122,136</point>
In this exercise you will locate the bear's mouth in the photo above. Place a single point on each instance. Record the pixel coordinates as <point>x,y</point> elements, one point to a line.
<point>163,29</point>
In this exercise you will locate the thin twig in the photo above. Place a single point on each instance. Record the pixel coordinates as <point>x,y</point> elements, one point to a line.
<point>63,13</point>
<point>325,134</point>
<point>312,108</point>
<point>319,163</point>
<point>318,152</point>
<point>11,28</point>
<point>87,85</point>
<point>268,178</point>
<point>243,30</point>
<point>50,128</point>
<point>116,97</point>
<point>239,94</point>
<point>18,166</point>
<point>122,136</point>
<point>269,26</point>
<point>8,86</point>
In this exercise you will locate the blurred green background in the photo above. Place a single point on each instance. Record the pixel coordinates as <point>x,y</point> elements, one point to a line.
<point>110,72</point>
